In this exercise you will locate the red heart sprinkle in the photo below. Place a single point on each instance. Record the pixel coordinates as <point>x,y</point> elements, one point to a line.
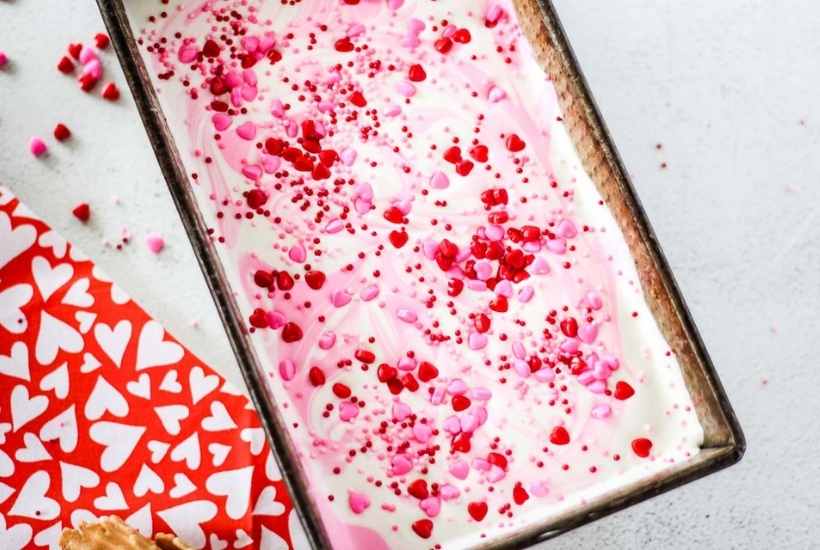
<point>357,99</point>
<point>461,443</point>
<point>462,36</point>
<point>386,373</point>
<point>416,73</point>
<point>344,45</point>
<point>328,157</point>
<point>291,332</point>
<point>623,391</point>
<point>569,327</point>
<point>284,281</point>
<point>454,287</point>
<point>263,279</point>
<point>87,82</point>
<point>453,154</point>
<point>210,49</point>
<point>74,50</point>
<point>443,45</point>
<point>274,146</point>
<point>480,153</point>
<point>520,495</point>
<point>82,212</point>
<point>497,459</point>
<point>365,355</point>
<point>316,376</point>
<point>460,403</point>
<point>110,92</point>
<point>101,40</point>
<point>320,172</point>
<point>393,215</point>
<point>515,143</point>
<point>499,304</point>
<point>642,447</point>
<point>341,391</point>
<point>418,489</point>
<point>65,65</point>
<point>315,279</point>
<point>478,510</point>
<point>427,371</point>
<point>409,381</point>
<point>481,323</point>
<point>256,198</point>
<point>559,436</point>
<point>259,318</point>
<point>61,132</point>
<point>422,527</point>
<point>398,238</point>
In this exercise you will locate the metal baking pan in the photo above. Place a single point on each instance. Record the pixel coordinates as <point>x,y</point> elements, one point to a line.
<point>723,444</point>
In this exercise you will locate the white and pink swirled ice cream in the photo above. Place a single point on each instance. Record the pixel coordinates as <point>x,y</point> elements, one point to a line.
<point>452,321</point>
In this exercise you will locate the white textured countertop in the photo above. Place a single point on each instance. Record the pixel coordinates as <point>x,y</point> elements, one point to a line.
<point>728,88</point>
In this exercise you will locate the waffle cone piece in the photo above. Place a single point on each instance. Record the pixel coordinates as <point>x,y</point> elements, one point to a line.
<point>111,533</point>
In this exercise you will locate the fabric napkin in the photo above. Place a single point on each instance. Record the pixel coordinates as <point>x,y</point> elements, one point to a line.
<point>102,412</point>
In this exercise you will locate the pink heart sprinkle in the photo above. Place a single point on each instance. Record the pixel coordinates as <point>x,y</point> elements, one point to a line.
<point>155,243</point>
<point>504,288</point>
<point>601,411</point>
<point>494,232</point>
<point>87,54</point>
<point>539,489</point>
<point>448,492</point>
<point>348,411</point>
<point>221,121</point>
<point>348,157</point>
<point>495,474</point>
<point>187,53</point>
<point>459,469</point>
<point>327,340</point>
<point>246,130</point>
<point>276,319</point>
<point>594,300</point>
<point>526,294</point>
<point>340,298</point>
<point>334,226</point>
<point>287,369</point>
<point>422,432</point>
<point>477,341</point>
<point>496,94</point>
<point>407,363</point>
<point>369,292</point>
<point>588,333</point>
<point>359,502</point>
<point>522,368</point>
<point>484,270</point>
<point>431,506</point>
<point>277,108</point>
<point>407,315</point>
<point>480,394</point>
<point>540,266</point>
<point>567,229</point>
<point>400,411</point>
<point>457,387</point>
<point>557,246</point>
<point>452,425</point>
<point>405,88</point>
<point>252,172</point>
<point>297,253</point>
<point>439,180</point>
<point>400,465</point>
<point>395,4</point>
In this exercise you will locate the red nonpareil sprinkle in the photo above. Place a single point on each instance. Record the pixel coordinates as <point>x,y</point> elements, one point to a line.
<point>416,73</point>
<point>61,132</point>
<point>101,40</point>
<point>642,447</point>
<point>559,436</point>
<point>110,92</point>
<point>65,65</point>
<point>316,376</point>
<point>623,391</point>
<point>291,332</point>
<point>422,527</point>
<point>477,510</point>
<point>82,212</point>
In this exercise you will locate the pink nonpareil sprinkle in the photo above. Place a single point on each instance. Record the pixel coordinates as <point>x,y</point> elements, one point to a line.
<point>37,147</point>
<point>4,59</point>
<point>155,243</point>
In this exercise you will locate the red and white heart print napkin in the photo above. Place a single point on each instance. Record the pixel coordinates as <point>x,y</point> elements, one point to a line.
<point>102,412</point>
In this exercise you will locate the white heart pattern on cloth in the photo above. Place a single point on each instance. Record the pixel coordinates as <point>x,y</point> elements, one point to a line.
<point>105,398</point>
<point>266,504</point>
<point>118,295</point>
<point>185,520</point>
<point>15,537</point>
<point>183,486</point>
<point>219,420</point>
<point>272,541</point>
<point>158,450</point>
<point>57,381</point>
<point>16,364</point>
<point>6,465</point>
<point>171,416</point>
<point>24,408</point>
<point>148,481</point>
<point>55,241</point>
<point>256,438</point>
<point>142,521</point>
<point>34,451</point>
<point>119,441</point>
<point>14,242</point>
<point>242,539</point>
<point>90,363</point>
<point>62,427</point>
<point>141,387</point>
<point>75,478</point>
<point>12,301</point>
<point>50,279</point>
<point>219,453</point>
<point>55,335</point>
<point>217,543</point>
<point>188,451</point>
<point>153,350</point>
<point>5,492</point>
<point>170,383</point>
<point>78,295</point>
<point>32,501</point>
<point>235,485</point>
<point>112,500</point>
<point>201,384</point>
<point>49,537</point>
<point>80,516</point>
<point>86,320</point>
<point>113,341</point>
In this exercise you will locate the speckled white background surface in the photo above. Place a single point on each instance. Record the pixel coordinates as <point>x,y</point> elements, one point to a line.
<point>729,87</point>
